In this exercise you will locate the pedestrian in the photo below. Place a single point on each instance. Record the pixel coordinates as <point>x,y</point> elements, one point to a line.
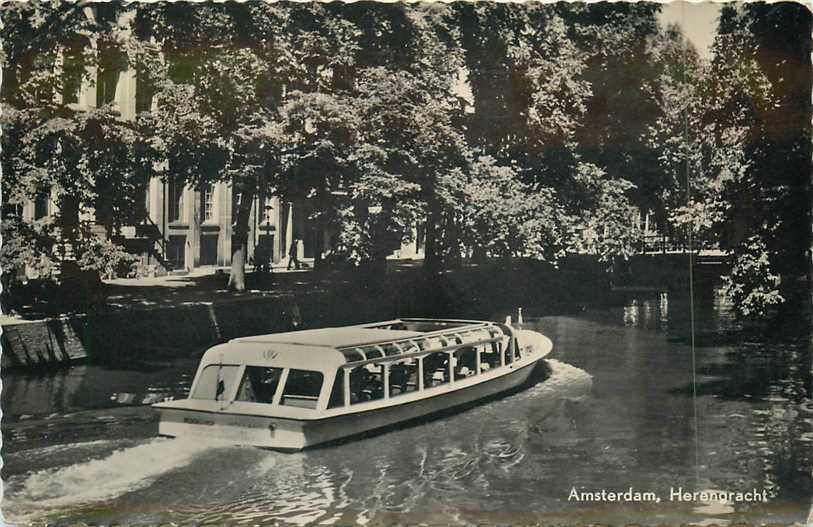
<point>258,260</point>
<point>293,255</point>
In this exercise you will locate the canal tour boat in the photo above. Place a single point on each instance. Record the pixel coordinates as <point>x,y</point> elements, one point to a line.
<point>293,390</point>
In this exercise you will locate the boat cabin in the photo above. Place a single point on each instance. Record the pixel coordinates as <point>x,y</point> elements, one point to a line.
<point>335,369</point>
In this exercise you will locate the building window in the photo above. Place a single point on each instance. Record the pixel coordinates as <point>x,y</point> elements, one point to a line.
<point>144,91</point>
<point>268,211</point>
<point>106,82</point>
<point>175,197</point>
<point>41,205</point>
<point>208,204</point>
<point>146,209</point>
<point>235,205</point>
<point>73,68</point>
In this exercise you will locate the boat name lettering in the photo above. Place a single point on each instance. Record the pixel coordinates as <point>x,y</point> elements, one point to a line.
<point>270,354</point>
<point>247,425</point>
<point>193,421</point>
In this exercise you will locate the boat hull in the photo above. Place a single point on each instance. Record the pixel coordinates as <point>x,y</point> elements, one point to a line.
<point>294,434</point>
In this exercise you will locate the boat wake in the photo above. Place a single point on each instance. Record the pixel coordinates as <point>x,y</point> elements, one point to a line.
<point>47,491</point>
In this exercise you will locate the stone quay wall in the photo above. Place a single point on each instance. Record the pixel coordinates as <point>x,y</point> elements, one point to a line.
<point>183,330</point>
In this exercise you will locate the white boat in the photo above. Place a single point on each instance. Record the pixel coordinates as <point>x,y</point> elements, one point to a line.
<point>289,391</point>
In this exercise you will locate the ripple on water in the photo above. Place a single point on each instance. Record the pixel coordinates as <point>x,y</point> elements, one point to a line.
<point>426,467</point>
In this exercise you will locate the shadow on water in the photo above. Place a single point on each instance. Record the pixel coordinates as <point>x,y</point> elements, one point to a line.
<point>751,361</point>
<point>756,373</point>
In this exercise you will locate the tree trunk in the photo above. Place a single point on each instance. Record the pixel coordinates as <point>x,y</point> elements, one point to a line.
<point>453,241</point>
<point>239,242</point>
<point>432,259</point>
<point>68,219</point>
<point>479,254</point>
<point>318,241</point>
<point>78,287</point>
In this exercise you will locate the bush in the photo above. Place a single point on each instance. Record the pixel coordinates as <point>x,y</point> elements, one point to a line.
<point>106,258</point>
<point>28,246</point>
<point>750,285</point>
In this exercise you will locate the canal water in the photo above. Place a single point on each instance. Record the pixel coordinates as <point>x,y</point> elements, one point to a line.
<point>613,408</point>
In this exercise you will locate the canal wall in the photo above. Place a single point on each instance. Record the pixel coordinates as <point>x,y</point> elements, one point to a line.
<point>155,334</point>
<point>668,272</point>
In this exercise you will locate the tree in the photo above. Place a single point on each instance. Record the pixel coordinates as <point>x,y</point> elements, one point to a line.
<point>617,41</point>
<point>319,135</point>
<point>412,125</point>
<point>54,147</point>
<point>504,217</point>
<point>246,86</point>
<point>751,285</point>
<point>424,153</point>
<point>215,91</point>
<point>715,142</point>
<point>533,71</point>
<point>782,47</point>
<point>679,141</point>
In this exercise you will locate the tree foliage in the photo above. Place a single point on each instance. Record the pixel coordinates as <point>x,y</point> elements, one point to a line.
<point>83,160</point>
<point>751,284</point>
<point>504,129</point>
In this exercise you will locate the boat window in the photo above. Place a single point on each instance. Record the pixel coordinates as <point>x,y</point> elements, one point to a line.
<point>465,362</point>
<point>472,336</point>
<point>215,382</point>
<point>373,352</point>
<point>410,347</point>
<point>489,356</point>
<point>426,326</point>
<point>366,383</point>
<point>302,388</point>
<point>390,349</point>
<point>434,342</point>
<point>403,377</point>
<point>259,384</point>
<point>353,355</point>
<point>435,369</point>
<point>337,393</point>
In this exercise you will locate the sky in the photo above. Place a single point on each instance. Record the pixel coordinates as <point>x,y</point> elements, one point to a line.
<point>697,20</point>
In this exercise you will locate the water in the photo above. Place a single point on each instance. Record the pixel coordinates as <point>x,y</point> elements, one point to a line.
<point>611,409</point>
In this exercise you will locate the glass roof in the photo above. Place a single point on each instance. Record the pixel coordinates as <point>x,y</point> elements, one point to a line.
<point>398,345</point>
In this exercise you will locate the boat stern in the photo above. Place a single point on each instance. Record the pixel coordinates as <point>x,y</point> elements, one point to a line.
<point>180,419</point>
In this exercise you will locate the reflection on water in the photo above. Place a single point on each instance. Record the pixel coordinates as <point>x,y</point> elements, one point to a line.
<point>83,387</point>
<point>612,409</point>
